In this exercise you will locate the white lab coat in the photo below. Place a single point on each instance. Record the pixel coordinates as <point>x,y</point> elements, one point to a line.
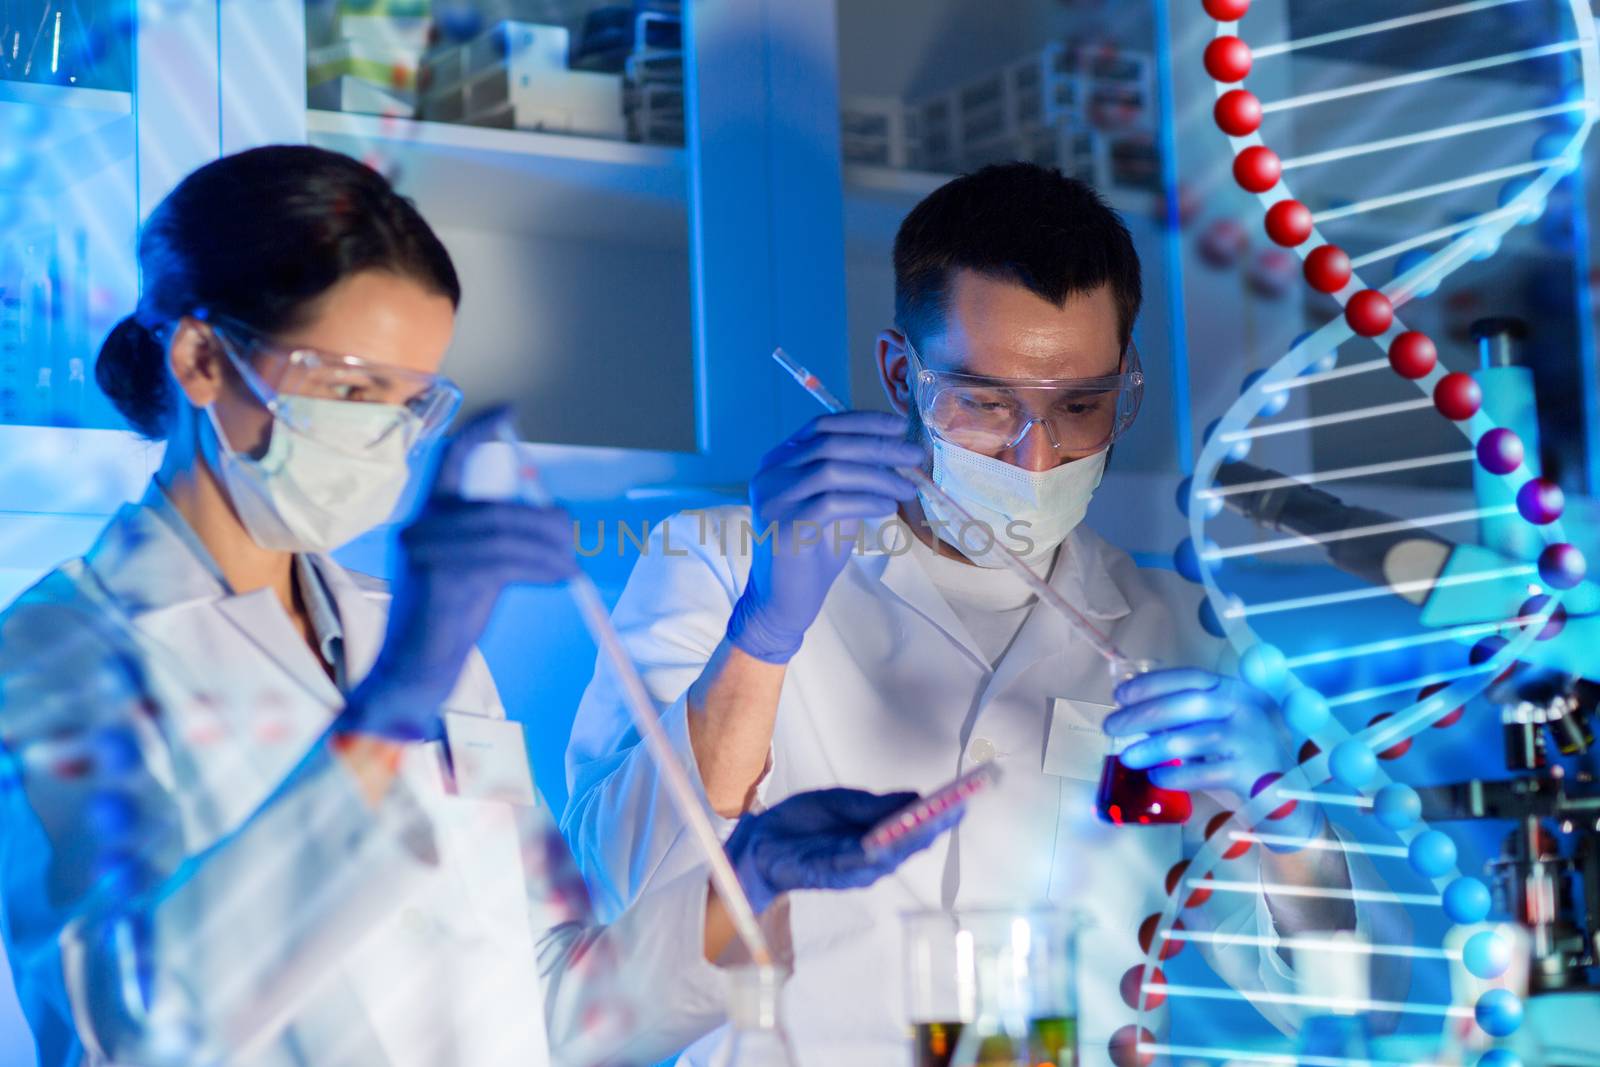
<point>305,927</point>
<point>890,692</point>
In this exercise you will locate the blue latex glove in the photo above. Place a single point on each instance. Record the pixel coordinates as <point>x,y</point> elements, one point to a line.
<point>813,490</point>
<point>456,558</point>
<point>813,841</point>
<point>1227,733</point>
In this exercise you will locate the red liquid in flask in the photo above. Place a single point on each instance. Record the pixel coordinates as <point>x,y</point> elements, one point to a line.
<point>1129,796</point>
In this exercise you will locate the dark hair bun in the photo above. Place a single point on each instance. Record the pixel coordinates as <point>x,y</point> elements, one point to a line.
<point>132,372</point>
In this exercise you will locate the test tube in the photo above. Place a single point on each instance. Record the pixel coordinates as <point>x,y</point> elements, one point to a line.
<point>919,813</point>
<point>1121,665</point>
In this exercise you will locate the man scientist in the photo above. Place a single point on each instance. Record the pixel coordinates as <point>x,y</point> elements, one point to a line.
<point>900,655</point>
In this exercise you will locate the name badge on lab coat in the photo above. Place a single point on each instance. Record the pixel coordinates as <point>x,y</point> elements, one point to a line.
<point>488,759</point>
<point>1076,746</point>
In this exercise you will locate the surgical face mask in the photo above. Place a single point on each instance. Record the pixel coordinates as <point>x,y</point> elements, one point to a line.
<point>1029,512</point>
<point>327,476</point>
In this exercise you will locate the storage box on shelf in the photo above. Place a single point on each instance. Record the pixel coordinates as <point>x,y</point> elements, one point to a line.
<point>516,76</point>
<point>876,131</point>
<point>371,68</point>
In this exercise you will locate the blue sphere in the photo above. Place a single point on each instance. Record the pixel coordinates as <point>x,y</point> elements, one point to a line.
<point>1486,955</point>
<point>1499,1057</point>
<point>1397,806</point>
<point>1499,1012</point>
<point>1271,403</point>
<point>1406,261</point>
<point>1264,667</point>
<point>1186,561</point>
<point>1513,189</point>
<point>1489,246</point>
<point>115,751</point>
<point>1466,901</point>
<point>1209,621</point>
<point>1550,145</point>
<point>1210,506</point>
<point>1305,711</point>
<point>1236,451</point>
<point>1352,763</point>
<point>1432,854</point>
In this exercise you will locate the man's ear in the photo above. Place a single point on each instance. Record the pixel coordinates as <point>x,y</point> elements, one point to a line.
<point>894,369</point>
<point>196,358</point>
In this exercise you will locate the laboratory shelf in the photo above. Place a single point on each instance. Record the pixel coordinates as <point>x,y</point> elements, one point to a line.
<point>522,181</point>
<point>70,134</point>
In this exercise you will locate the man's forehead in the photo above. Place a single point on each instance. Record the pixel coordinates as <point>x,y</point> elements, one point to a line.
<point>1001,328</point>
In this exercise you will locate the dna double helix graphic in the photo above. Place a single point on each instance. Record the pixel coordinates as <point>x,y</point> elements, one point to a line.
<point>1415,624</point>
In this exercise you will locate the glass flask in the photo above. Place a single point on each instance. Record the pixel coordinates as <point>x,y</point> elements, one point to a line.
<point>1127,796</point>
<point>992,987</point>
<point>756,1037</point>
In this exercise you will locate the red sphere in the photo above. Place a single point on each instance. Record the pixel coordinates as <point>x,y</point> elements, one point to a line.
<point>1500,451</point>
<point>1282,811</point>
<point>1257,169</point>
<point>1124,1047</point>
<point>1197,897</point>
<point>1369,313</point>
<point>1308,752</point>
<point>1154,990</point>
<point>1227,10</point>
<point>1289,223</point>
<point>1413,355</point>
<point>1238,113</point>
<point>1396,750</point>
<point>1218,821</point>
<point>1328,269</point>
<point>1561,566</point>
<point>1457,396</point>
<point>1541,501</point>
<point>1486,650</point>
<point>1147,933</point>
<point>1227,59</point>
<point>1449,718</point>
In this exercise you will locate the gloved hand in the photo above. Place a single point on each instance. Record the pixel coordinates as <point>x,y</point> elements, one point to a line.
<point>1228,735</point>
<point>813,841</point>
<point>456,557</point>
<point>813,490</point>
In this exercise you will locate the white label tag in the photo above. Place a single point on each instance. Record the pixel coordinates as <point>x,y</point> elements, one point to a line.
<point>488,759</point>
<point>1077,744</point>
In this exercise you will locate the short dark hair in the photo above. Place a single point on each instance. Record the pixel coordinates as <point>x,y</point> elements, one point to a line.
<point>258,237</point>
<point>1016,222</point>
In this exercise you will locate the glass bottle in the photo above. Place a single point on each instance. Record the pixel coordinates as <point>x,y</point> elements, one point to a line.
<point>1127,796</point>
<point>756,1037</point>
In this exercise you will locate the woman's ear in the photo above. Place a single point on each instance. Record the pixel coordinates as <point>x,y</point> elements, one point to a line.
<point>196,358</point>
<point>894,369</point>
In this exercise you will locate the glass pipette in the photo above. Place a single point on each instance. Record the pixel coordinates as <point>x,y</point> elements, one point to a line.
<point>641,708</point>
<point>1121,665</point>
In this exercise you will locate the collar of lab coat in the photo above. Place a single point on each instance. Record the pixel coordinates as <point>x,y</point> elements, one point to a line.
<point>151,563</point>
<point>1079,574</point>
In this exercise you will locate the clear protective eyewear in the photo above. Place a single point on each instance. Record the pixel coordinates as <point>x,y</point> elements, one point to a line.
<point>991,415</point>
<point>422,404</point>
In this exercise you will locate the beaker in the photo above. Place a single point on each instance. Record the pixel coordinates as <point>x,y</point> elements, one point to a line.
<point>1128,796</point>
<point>756,1037</point>
<point>992,987</point>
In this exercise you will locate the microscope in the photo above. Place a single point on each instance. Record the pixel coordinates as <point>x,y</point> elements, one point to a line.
<point>1546,879</point>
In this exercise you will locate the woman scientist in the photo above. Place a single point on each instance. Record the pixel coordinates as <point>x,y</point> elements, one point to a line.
<point>256,810</point>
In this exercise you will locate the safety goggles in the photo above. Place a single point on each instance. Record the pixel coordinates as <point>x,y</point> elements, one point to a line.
<point>420,405</point>
<point>991,415</point>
